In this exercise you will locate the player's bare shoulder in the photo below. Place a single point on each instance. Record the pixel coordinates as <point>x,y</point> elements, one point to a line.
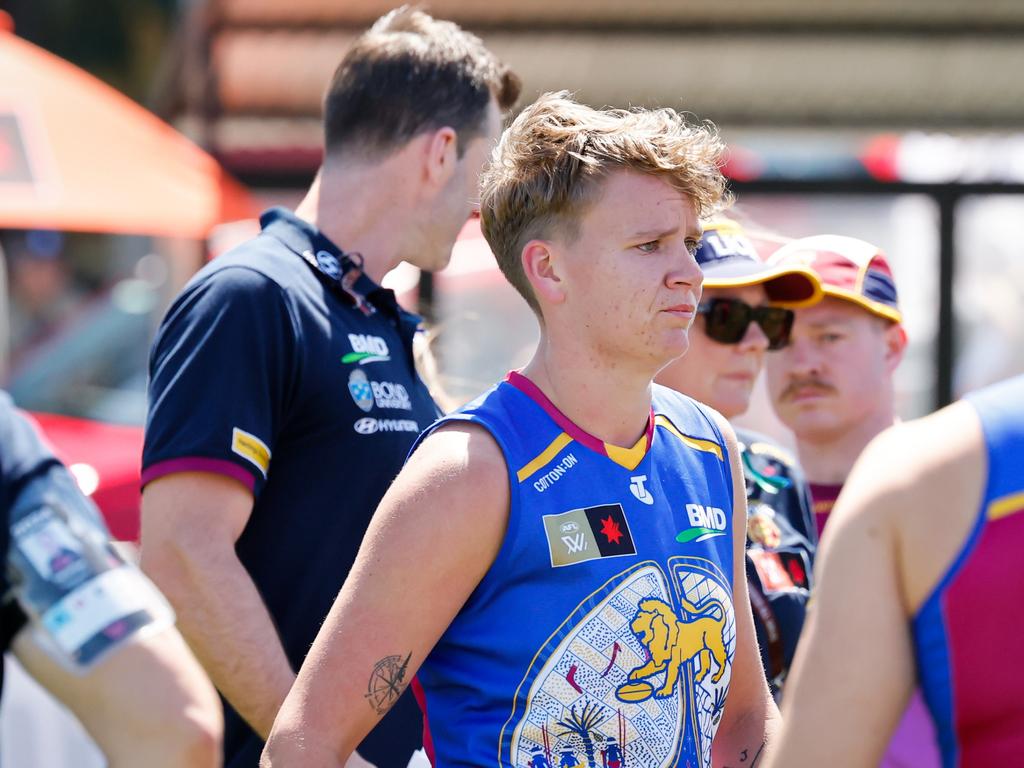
<point>458,476</point>
<point>924,462</point>
<point>463,453</point>
<point>918,484</point>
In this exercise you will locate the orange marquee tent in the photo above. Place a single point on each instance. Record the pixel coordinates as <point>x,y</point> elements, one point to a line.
<point>77,155</point>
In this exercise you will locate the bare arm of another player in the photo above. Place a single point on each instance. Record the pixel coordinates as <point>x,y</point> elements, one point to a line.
<point>750,723</point>
<point>148,703</point>
<point>854,670</point>
<point>433,537</point>
<point>190,523</point>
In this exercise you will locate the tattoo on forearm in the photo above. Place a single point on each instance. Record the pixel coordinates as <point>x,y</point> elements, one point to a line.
<point>746,761</point>
<point>387,681</point>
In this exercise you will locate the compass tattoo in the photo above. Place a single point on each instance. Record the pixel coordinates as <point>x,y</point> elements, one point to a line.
<point>387,681</point>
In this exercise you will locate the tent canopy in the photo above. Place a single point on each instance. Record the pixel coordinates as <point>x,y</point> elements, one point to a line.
<point>77,155</point>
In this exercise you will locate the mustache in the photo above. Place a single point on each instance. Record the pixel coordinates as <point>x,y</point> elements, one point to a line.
<point>801,384</point>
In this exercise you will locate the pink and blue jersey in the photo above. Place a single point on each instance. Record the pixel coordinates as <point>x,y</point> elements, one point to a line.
<point>604,632</point>
<point>968,634</point>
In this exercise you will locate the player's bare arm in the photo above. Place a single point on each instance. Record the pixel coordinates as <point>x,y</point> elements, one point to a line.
<point>854,670</point>
<point>751,721</point>
<point>432,539</point>
<point>148,703</point>
<point>190,523</point>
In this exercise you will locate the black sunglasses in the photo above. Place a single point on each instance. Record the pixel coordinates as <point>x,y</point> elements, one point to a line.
<point>726,321</point>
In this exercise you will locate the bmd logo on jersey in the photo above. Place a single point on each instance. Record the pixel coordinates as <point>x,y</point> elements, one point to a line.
<point>366,349</point>
<point>705,523</point>
<point>588,534</point>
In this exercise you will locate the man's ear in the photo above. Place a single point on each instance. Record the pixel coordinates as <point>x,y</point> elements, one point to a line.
<point>440,156</point>
<point>895,345</point>
<point>542,267</point>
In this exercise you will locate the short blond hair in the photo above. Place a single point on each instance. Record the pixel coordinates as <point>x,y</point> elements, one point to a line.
<point>547,169</point>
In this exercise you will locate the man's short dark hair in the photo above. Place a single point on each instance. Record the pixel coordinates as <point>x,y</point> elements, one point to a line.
<point>411,73</point>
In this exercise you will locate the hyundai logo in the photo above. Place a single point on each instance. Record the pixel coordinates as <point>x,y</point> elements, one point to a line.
<point>365,426</point>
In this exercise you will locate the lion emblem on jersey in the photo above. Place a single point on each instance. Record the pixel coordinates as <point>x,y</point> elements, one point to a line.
<point>672,641</point>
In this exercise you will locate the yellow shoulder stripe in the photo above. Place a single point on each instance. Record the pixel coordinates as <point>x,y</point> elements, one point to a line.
<point>708,446</point>
<point>1006,506</point>
<point>544,457</point>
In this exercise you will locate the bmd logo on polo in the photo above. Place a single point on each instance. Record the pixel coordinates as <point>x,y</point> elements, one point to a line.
<point>705,523</point>
<point>366,349</point>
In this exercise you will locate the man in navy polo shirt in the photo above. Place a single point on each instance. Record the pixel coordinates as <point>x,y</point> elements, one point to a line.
<point>283,393</point>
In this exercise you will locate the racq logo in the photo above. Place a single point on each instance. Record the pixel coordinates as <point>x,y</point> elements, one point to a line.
<point>369,426</point>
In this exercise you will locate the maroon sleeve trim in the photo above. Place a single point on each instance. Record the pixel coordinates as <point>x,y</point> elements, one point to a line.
<point>198,464</point>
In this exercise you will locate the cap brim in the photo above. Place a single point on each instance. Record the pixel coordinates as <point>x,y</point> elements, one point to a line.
<point>789,286</point>
<point>874,307</point>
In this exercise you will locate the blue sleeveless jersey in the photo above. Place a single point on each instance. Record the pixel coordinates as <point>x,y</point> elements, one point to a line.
<point>604,632</point>
<point>967,635</point>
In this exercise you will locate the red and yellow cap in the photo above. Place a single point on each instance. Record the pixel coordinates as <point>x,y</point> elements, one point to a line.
<point>847,268</point>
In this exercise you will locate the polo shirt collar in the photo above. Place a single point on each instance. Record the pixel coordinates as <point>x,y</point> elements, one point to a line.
<point>302,237</point>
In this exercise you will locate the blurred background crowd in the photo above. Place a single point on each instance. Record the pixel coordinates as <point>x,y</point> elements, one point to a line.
<point>138,138</point>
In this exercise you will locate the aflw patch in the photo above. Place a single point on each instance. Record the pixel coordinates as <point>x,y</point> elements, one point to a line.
<point>587,534</point>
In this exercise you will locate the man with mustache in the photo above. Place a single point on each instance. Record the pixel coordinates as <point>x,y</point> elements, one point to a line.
<point>833,383</point>
<point>833,386</point>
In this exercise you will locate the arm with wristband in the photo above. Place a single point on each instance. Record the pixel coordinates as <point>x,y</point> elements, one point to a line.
<point>89,627</point>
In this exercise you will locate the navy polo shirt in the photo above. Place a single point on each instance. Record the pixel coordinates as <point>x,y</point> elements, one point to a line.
<point>265,372</point>
<point>781,548</point>
<point>23,457</point>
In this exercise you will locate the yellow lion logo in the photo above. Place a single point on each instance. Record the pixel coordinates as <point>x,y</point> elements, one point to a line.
<point>671,642</point>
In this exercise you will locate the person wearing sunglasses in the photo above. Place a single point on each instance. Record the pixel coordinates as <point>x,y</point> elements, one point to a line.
<point>832,386</point>
<point>745,311</point>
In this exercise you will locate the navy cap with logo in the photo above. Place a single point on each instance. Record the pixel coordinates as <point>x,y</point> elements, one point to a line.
<point>728,259</point>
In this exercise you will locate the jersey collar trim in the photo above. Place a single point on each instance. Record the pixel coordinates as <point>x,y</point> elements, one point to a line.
<point>629,458</point>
